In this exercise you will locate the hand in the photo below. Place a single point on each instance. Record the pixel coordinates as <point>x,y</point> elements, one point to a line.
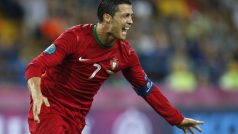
<point>37,103</point>
<point>37,97</point>
<point>187,124</point>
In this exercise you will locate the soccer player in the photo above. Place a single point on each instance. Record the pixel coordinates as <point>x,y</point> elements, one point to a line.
<point>64,78</point>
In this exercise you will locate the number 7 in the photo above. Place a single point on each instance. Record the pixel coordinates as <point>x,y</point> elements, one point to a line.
<point>96,71</point>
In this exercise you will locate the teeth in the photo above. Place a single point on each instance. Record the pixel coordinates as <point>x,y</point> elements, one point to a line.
<point>125,28</point>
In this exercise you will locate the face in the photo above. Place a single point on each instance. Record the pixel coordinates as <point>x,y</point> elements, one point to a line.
<point>121,21</point>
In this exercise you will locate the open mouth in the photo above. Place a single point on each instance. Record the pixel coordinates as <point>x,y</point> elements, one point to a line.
<point>124,30</point>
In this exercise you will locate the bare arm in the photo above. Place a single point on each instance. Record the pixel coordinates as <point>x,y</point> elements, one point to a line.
<point>37,97</point>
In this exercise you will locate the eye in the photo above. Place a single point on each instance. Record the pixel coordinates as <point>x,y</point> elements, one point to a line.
<point>127,15</point>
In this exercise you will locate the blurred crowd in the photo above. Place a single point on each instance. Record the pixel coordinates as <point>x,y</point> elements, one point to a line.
<point>185,44</point>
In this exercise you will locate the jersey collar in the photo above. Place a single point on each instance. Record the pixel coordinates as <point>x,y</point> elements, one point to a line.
<point>99,41</point>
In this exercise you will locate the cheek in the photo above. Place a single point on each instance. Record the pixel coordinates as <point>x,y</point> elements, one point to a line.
<point>118,23</point>
<point>116,28</point>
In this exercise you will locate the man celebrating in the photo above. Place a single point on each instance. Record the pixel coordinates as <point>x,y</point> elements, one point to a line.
<point>64,78</point>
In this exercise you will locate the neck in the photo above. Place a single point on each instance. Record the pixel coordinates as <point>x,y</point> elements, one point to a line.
<point>103,33</point>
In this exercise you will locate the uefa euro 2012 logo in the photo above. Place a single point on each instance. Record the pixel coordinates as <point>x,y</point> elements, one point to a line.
<point>50,50</point>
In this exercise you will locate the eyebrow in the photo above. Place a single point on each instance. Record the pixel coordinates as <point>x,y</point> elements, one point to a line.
<point>129,13</point>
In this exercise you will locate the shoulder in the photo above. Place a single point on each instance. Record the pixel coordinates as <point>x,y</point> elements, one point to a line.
<point>81,29</point>
<point>126,46</point>
<point>74,36</point>
<point>129,53</point>
<point>81,32</point>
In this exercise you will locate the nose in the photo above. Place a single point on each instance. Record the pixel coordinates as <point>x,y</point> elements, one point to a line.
<point>130,21</point>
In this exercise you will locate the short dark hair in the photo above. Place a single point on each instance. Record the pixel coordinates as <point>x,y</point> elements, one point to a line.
<point>109,7</point>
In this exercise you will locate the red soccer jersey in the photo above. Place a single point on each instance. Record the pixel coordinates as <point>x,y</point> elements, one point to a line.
<point>74,67</point>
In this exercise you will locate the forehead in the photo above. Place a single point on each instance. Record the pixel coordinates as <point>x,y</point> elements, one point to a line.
<point>124,8</point>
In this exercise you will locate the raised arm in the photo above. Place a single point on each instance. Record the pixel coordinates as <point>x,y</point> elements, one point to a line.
<point>150,92</point>
<point>145,88</point>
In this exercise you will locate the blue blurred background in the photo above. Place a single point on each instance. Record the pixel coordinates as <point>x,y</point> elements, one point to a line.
<point>188,47</point>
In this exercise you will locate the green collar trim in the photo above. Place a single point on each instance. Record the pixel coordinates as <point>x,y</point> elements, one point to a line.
<point>99,41</point>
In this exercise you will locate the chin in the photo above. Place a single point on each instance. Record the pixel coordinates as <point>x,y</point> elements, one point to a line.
<point>123,37</point>
<point>120,36</point>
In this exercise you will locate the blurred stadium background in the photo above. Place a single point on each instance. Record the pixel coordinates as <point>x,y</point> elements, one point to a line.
<point>188,47</point>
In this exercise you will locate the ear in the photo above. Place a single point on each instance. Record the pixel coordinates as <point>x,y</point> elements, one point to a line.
<point>107,18</point>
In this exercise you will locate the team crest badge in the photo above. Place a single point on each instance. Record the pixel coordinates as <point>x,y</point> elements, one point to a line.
<point>114,63</point>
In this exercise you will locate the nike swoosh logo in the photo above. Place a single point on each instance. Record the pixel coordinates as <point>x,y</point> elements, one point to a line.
<point>81,59</point>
